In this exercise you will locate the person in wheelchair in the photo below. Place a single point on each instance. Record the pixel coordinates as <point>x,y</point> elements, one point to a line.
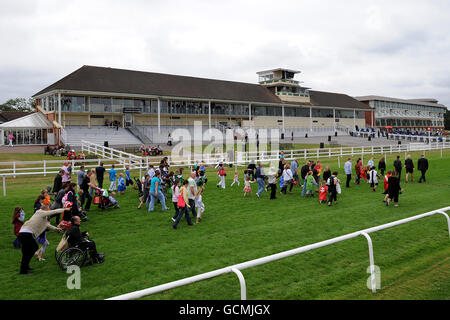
<point>76,238</point>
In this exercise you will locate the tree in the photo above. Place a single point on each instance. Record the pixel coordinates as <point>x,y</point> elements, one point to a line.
<point>447,120</point>
<point>18,104</point>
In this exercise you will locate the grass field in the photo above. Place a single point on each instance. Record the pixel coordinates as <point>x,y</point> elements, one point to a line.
<point>142,250</point>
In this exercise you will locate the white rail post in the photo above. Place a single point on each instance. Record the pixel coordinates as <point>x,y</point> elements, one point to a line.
<point>44,169</point>
<point>318,153</point>
<point>440,211</point>
<point>305,154</point>
<point>14,168</point>
<point>242,282</point>
<point>339,161</point>
<point>4,186</point>
<point>372,263</point>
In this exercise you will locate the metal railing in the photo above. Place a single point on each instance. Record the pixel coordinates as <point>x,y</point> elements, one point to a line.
<point>237,268</point>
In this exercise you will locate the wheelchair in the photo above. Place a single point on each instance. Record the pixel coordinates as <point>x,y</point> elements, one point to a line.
<point>67,256</point>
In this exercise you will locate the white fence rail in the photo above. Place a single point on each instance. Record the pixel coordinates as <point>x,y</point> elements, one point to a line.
<point>411,138</point>
<point>44,167</point>
<point>253,263</point>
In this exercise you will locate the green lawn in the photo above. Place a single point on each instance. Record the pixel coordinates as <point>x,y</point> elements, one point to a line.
<point>142,250</point>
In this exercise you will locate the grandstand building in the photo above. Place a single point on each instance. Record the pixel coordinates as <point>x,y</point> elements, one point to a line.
<point>408,114</point>
<point>148,105</point>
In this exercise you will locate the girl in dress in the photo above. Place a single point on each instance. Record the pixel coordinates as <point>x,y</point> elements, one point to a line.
<point>247,187</point>
<point>199,205</point>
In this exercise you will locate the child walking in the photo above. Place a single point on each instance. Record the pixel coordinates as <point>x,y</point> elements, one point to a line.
<point>272,181</point>
<point>236,178</point>
<point>121,184</point>
<point>310,184</point>
<point>247,187</point>
<point>112,178</point>
<point>323,191</point>
<point>199,205</point>
<point>175,194</point>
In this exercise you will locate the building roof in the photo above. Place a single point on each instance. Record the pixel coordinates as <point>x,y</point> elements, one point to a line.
<point>421,102</point>
<point>338,100</point>
<point>278,69</point>
<point>100,79</point>
<point>31,121</point>
<point>6,116</point>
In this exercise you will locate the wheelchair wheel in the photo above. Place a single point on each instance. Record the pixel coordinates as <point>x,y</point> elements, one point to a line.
<point>71,256</point>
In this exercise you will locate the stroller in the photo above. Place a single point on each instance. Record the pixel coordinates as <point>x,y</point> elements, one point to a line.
<point>103,201</point>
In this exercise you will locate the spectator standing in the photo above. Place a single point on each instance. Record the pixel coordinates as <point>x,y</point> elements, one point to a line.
<point>156,193</point>
<point>294,169</point>
<point>100,172</point>
<point>393,188</point>
<point>348,172</point>
<point>303,172</point>
<point>80,176</point>
<point>422,166</point>
<point>57,182</point>
<point>66,174</point>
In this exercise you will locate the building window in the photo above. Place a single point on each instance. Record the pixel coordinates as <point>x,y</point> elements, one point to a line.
<point>322,113</point>
<point>98,104</point>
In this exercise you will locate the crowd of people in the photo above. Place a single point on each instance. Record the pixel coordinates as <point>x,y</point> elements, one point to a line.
<point>69,202</point>
<point>150,151</point>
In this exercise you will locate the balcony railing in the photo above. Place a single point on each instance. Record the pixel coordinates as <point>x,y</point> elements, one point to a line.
<point>281,81</point>
<point>292,94</point>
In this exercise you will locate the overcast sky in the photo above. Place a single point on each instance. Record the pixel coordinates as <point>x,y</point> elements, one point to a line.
<point>392,48</point>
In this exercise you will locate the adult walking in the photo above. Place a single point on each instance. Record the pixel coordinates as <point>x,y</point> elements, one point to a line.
<point>348,172</point>
<point>393,188</point>
<point>303,173</point>
<point>192,192</point>
<point>332,190</point>
<point>10,138</point>
<point>409,166</point>
<point>183,204</point>
<point>30,230</point>
<point>287,178</point>
<point>382,166</point>
<point>100,172</point>
<point>260,176</point>
<point>398,166</point>
<point>85,184</point>
<point>156,193</point>
<point>251,170</point>
<point>422,166</point>
<point>294,169</point>
<point>272,180</point>
<point>358,171</point>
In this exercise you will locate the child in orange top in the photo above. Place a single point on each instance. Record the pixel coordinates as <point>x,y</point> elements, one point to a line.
<point>323,190</point>
<point>363,173</point>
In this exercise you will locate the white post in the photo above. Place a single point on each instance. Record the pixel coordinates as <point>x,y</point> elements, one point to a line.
<point>44,169</point>
<point>282,113</point>
<point>159,116</point>
<point>242,282</point>
<point>4,187</point>
<point>59,108</point>
<point>371,261</point>
<point>249,112</point>
<point>14,168</point>
<point>310,119</point>
<point>209,113</point>
<point>339,161</point>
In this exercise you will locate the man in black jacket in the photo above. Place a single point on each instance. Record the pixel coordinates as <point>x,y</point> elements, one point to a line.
<point>77,238</point>
<point>398,166</point>
<point>100,171</point>
<point>409,166</point>
<point>422,166</point>
<point>57,183</point>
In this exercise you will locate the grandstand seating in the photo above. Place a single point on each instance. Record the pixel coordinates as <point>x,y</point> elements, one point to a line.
<point>75,134</point>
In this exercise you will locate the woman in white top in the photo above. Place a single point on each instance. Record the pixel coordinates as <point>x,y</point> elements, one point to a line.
<point>287,178</point>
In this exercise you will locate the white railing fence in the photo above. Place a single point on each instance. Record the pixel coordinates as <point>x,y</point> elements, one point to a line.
<point>411,138</point>
<point>253,263</point>
<point>121,159</point>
